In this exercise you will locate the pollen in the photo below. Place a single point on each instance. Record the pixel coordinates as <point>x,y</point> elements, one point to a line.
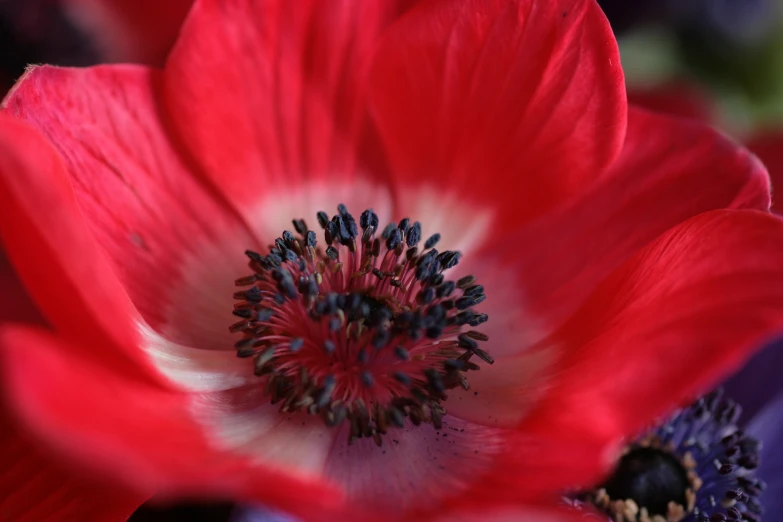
<point>363,329</point>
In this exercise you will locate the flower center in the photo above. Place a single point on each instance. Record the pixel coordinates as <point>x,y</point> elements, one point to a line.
<point>694,466</point>
<point>367,330</point>
<point>652,478</point>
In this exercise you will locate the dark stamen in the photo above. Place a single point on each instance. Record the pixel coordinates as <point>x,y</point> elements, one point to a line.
<point>331,328</point>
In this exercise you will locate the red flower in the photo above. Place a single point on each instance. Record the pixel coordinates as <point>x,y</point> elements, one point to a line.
<point>626,258</point>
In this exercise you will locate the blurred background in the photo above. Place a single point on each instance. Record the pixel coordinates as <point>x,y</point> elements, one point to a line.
<point>720,61</point>
<point>722,58</point>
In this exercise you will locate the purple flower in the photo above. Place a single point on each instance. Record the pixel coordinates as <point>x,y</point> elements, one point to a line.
<point>758,387</point>
<point>709,462</point>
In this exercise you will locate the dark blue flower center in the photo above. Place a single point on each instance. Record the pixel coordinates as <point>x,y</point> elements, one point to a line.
<point>696,466</point>
<point>650,477</point>
<point>366,330</point>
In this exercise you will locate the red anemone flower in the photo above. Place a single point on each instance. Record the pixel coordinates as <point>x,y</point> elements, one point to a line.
<point>577,268</point>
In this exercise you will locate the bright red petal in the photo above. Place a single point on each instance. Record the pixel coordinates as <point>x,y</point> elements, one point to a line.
<point>270,98</point>
<point>36,488</point>
<point>516,105</point>
<point>135,432</point>
<point>668,325</point>
<point>145,209</point>
<point>140,31</point>
<point>669,171</point>
<point>768,146</point>
<point>48,242</point>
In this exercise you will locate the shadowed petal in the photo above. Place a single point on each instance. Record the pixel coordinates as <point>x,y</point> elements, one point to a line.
<point>34,487</point>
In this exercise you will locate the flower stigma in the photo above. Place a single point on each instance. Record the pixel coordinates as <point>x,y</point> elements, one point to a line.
<point>695,467</point>
<point>367,330</point>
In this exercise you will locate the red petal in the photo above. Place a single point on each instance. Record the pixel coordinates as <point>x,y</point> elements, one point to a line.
<point>141,31</point>
<point>55,255</point>
<point>269,97</point>
<point>139,199</point>
<point>139,433</point>
<point>515,104</point>
<point>668,325</point>
<point>145,436</point>
<point>669,170</point>
<point>768,145</point>
<point>36,488</point>
<point>15,303</point>
<point>541,460</point>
